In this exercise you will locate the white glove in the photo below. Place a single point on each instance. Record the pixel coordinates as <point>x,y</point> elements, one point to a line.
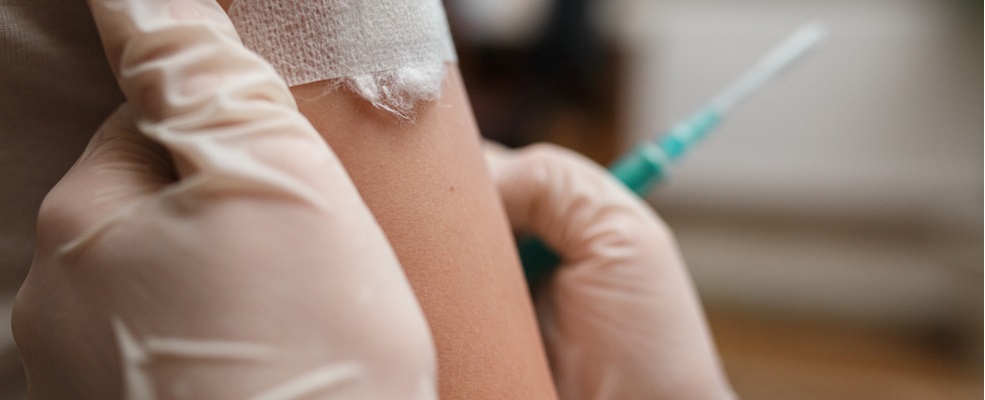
<point>620,316</point>
<point>208,244</point>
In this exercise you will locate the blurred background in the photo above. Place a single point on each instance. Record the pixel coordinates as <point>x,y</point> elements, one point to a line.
<point>833,224</point>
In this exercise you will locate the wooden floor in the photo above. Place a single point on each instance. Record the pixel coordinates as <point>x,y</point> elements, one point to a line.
<point>777,359</point>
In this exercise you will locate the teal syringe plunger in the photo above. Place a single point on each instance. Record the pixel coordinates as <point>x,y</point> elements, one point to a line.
<point>647,164</point>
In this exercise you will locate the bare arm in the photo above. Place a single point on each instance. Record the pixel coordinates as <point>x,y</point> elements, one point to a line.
<point>428,187</point>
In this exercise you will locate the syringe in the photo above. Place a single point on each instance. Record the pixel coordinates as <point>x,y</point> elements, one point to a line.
<point>647,164</point>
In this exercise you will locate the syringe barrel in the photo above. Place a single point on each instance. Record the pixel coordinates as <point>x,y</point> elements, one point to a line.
<point>641,168</point>
<point>683,136</point>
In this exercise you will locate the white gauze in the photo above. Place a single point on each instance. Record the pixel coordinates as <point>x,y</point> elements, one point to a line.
<point>390,52</point>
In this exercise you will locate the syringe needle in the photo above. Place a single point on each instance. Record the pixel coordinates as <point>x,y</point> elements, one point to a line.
<point>771,65</point>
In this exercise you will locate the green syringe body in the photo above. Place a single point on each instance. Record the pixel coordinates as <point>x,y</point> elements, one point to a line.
<point>640,169</point>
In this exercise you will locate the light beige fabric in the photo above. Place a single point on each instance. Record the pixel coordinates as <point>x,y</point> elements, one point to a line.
<point>55,90</point>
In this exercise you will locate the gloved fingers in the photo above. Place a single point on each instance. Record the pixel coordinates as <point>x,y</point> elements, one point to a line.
<point>283,298</point>
<point>569,202</point>
<point>169,53</point>
<point>118,167</point>
<point>128,27</point>
<point>219,109</point>
<point>620,317</point>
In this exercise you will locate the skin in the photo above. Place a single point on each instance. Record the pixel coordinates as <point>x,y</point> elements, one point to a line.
<point>427,186</point>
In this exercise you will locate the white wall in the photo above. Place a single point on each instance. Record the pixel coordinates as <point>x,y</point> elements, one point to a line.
<point>852,185</point>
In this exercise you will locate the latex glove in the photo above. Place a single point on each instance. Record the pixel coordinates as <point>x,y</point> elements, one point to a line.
<point>208,244</point>
<point>620,316</point>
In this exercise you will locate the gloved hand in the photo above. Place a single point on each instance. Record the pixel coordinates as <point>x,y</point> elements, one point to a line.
<point>620,316</point>
<point>208,244</point>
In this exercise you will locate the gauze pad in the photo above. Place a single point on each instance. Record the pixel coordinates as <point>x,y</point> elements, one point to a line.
<point>390,52</point>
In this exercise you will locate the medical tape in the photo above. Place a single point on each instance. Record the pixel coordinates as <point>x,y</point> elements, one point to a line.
<point>390,52</point>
